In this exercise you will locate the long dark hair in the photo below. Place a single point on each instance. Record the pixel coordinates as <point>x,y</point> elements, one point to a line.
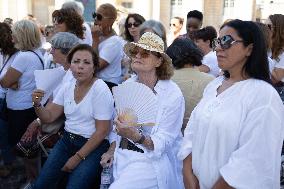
<point>138,18</point>
<point>256,65</point>
<point>6,46</point>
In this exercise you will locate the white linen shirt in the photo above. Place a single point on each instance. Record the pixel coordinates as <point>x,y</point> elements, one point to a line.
<point>96,104</point>
<point>166,136</point>
<point>237,135</point>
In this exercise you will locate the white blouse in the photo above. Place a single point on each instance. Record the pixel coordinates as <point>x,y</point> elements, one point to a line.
<point>166,136</point>
<point>237,135</point>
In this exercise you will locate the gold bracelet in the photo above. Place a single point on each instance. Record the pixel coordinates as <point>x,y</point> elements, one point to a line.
<point>81,157</point>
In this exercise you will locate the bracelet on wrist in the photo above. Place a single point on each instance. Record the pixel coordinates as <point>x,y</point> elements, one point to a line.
<point>81,157</point>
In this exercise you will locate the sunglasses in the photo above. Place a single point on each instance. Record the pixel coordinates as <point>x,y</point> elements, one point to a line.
<point>143,53</point>
<point>135,24</point>
<point>99,17</point>
<point>225,42</point>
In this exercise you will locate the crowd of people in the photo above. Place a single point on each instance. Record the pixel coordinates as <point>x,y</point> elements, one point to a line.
<point>220,94</point>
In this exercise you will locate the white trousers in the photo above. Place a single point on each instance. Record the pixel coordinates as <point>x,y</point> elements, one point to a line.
<point>133,171</point>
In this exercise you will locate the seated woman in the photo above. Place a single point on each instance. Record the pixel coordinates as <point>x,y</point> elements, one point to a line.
<point>88,106</point>
<point>152,162</point>
<point>234,135</point>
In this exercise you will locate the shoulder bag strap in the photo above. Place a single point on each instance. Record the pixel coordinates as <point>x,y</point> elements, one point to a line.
<point>5,63</point>
<point>41,61</point>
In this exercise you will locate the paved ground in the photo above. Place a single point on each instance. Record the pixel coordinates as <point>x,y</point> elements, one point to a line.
<point>16,179</point>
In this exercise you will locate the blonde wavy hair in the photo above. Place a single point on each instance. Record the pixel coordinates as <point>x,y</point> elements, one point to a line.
<point>27,35</point>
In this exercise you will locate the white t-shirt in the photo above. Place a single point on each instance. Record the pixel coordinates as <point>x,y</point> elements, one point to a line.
<point>80,118</point>
<point>279,63</point>
<point>3,91</point>
<point>25,62</point>
<point>211,61</point>
<point>237,135</point>
<point>111,50</point>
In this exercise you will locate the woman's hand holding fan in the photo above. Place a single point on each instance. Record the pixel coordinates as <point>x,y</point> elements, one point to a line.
<point>126,131</point>
<point>136,104</point>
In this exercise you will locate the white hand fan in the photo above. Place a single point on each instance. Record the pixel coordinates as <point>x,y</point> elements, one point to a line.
<point>136,101</point>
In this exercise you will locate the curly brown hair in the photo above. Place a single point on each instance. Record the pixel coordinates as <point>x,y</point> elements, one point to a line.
<point>277,21</point>
<point>6,45</point>
<point>74,22</point>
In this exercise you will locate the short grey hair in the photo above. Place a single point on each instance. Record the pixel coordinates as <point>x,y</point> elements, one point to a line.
<point>64,41</point>
<point>156,27</point>
<point>77,6</point>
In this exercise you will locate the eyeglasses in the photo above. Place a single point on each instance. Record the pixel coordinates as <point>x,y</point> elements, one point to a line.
<point>135,24</point>
<point>225,42</point>
<point>99,17</point>
<point>143,53</point>
<point>58,20</point>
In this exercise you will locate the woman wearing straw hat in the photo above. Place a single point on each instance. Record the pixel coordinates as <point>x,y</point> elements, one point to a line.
<point>151,161</point>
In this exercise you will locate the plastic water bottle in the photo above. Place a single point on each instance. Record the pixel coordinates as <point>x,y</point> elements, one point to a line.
<point>106,178</point>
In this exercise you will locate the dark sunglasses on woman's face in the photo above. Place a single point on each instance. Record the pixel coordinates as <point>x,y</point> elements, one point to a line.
<point>225,42</point>
<point>143,53</point>
<point>99,17</point>
<point>135,24</point>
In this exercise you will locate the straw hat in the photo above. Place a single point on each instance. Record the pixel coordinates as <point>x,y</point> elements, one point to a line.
<point>151,42</point>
